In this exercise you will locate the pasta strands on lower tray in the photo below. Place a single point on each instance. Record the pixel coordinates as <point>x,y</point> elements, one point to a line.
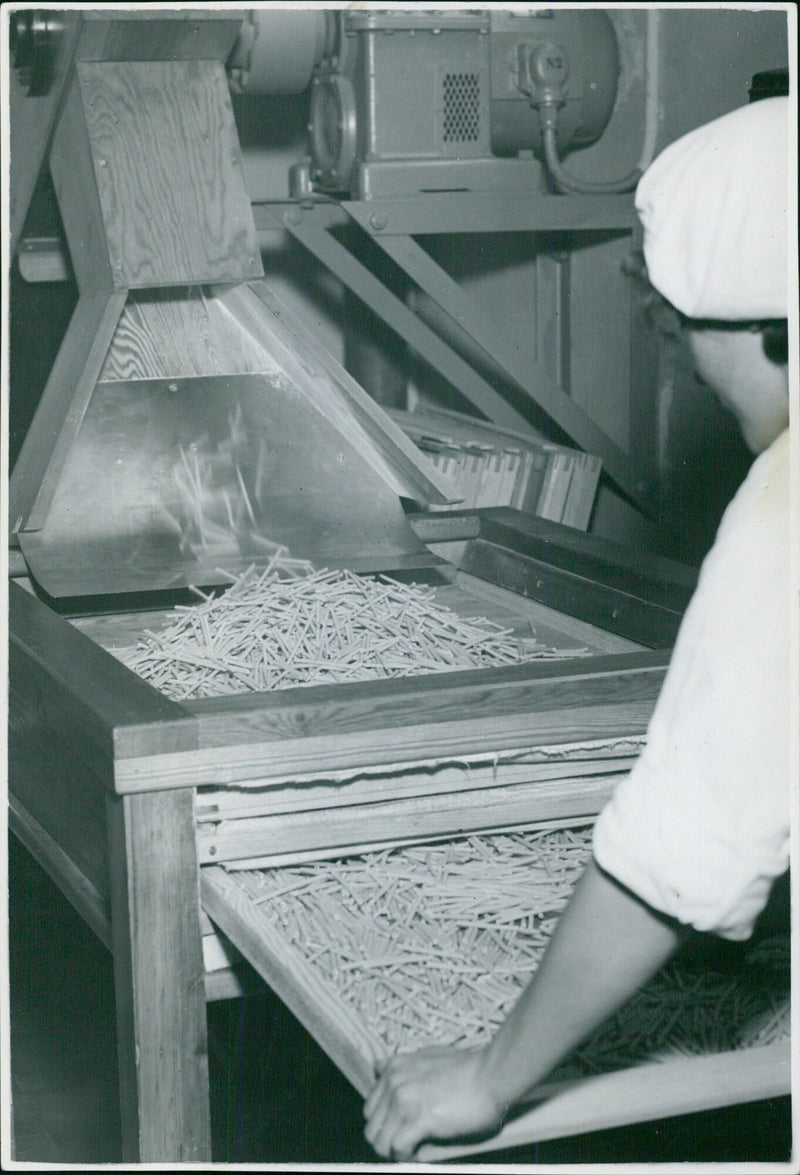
<point>434,944</point>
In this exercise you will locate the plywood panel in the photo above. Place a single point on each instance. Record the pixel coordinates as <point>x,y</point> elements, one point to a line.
<point>72,169</point>
<point>183,332</point>
<point>169,172</point>
<point>159,36</point>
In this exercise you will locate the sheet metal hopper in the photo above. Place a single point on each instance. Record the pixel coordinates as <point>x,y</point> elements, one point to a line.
<point>171,483</point>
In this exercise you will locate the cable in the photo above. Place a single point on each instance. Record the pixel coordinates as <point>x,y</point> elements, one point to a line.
<point>548,112</point>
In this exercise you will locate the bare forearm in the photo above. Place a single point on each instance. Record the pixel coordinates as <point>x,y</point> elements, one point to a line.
<point>606,945</point>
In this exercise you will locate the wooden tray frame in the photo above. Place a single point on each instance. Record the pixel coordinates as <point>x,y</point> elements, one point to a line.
<point>641,1093</point>
<point>102,776</point>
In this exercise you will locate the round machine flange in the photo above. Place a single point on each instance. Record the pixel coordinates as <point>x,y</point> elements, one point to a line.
<point>332,128</point>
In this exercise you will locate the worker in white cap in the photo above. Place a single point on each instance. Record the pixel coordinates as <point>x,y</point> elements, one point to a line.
<point>695,836</point>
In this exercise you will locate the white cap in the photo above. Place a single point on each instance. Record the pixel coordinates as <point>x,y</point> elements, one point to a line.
<point>714,206</point>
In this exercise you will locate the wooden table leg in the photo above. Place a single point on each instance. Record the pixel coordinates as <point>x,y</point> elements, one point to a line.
<point>159,980</point>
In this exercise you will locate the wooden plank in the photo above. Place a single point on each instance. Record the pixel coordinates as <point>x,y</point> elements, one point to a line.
<point>159,979</point>
<point>49,777</point>
<point>61,409</point>
<point>229,804</point>
<point>378,823</point>
<point>315,730</point>
<point>316,374</point>
<point>532,688</point>
<point>85,696</point>
<point>649,1091</point>
<point>337,1031</point>
<point>623,611</point>
<point>169,172</point>
<point>72,169</point>
<point>62,869</point>
<point>150,35</point>
<point>180,333</point>
<point>645,1093</point>
<point>235,761</point>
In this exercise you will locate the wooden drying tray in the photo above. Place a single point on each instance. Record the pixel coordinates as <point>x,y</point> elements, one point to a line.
<point>102,777</point>
<point>652,1090</point>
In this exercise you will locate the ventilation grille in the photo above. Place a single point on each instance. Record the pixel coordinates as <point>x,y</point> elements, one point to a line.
<point>462,109</point>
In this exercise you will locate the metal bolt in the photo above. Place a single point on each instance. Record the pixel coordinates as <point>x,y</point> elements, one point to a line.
<point>173,387</point>
<point>293,216</point>
<point>379,220</point>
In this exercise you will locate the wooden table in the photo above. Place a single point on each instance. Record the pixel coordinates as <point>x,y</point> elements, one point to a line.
<point>103,778</point>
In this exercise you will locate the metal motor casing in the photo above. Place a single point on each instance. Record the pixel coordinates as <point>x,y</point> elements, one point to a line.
<point>402,95</point>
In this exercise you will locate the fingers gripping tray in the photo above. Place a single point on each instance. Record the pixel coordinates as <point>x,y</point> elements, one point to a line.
<point>432,944</point>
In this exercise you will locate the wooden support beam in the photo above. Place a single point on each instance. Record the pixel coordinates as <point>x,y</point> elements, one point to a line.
<point>159,979</point>
<point>513,358</point>
<point>61,409</point>
<point>397,315</point>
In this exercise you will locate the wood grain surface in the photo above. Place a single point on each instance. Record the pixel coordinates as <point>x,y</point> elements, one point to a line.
<point>150,35</point>
<point>82,694</point>
<point>377,823</point>
<point>72,169</point>
<point>317,375</point>
<point>180,332</point>
<point>337,1031</point>
<point>234,803</point>
<point>168,171</point>
<point>159,979</point>
<point>529,689</point>
<point>314,730</point>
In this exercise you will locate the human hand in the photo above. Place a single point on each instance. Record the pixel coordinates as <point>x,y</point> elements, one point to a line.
<point>436,1093</point>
